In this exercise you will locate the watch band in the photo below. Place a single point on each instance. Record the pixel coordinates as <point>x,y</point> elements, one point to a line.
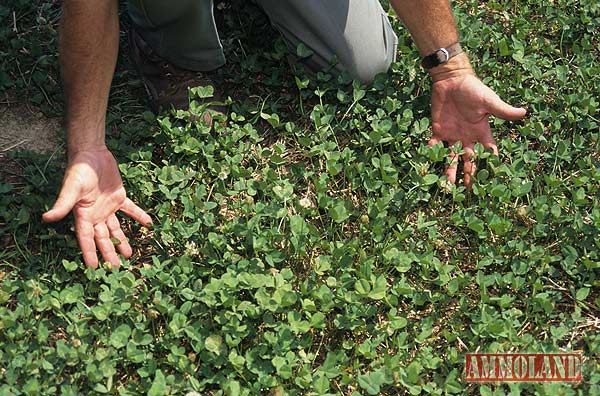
<point>441,56</point>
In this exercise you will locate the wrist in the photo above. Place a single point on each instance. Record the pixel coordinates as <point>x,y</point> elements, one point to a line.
<point>85,139</point>
<point>82,149</point>
<point>455,67</point>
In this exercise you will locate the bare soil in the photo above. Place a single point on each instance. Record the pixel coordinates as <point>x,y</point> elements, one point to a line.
<point>24,128</point>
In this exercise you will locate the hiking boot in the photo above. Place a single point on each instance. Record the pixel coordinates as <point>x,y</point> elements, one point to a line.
<point>166,84</point>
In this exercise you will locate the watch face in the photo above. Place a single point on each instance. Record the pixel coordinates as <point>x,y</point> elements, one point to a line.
<point>439,57</point>
<point>443,56</point>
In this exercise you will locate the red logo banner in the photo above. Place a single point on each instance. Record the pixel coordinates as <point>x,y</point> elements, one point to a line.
<point>523,367</point>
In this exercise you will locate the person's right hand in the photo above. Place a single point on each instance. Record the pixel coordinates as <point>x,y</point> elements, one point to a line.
<point>93,190</point>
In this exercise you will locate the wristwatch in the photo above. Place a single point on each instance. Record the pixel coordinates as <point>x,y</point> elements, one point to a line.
<point>441,56</point>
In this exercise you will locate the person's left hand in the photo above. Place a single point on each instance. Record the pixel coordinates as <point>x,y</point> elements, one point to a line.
<point>460,107</point>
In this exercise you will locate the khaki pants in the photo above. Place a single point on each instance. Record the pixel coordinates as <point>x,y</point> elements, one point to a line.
<point>355,32</point>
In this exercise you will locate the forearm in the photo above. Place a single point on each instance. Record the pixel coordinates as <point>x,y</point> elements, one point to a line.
<point>89,42</point>
<point>432,26</point>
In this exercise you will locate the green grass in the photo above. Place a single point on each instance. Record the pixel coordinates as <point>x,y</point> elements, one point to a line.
<point>310,246</point>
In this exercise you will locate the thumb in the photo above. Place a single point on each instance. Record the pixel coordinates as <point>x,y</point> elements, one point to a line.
<point>68,197</point>
<point>501,109</point>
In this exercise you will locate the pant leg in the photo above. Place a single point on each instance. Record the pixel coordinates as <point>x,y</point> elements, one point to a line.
<point>181,31</point>
<point>355,32</point>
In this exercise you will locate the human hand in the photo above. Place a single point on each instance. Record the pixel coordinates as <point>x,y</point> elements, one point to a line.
<point>93,190</point>
<point>460,107</point>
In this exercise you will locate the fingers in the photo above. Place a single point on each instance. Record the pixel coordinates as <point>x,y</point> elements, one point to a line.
<point>469,166</point>
<point>114,228</point>
<point>67,198</point>
<point>451,169</point>
<point>105,245</point>
<point>136,213</point>
<point>85,237</point>
<point>92,237</point>
<point>493,147</point>
<point>501,109</point>
<point>98,236</point>
<point>433,141</point>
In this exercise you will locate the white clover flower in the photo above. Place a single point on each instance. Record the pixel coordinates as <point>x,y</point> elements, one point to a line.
<point>306,203</point>
<point>191,249</point>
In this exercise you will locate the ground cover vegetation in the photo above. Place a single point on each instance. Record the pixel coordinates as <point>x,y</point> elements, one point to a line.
<point>308,245</point>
